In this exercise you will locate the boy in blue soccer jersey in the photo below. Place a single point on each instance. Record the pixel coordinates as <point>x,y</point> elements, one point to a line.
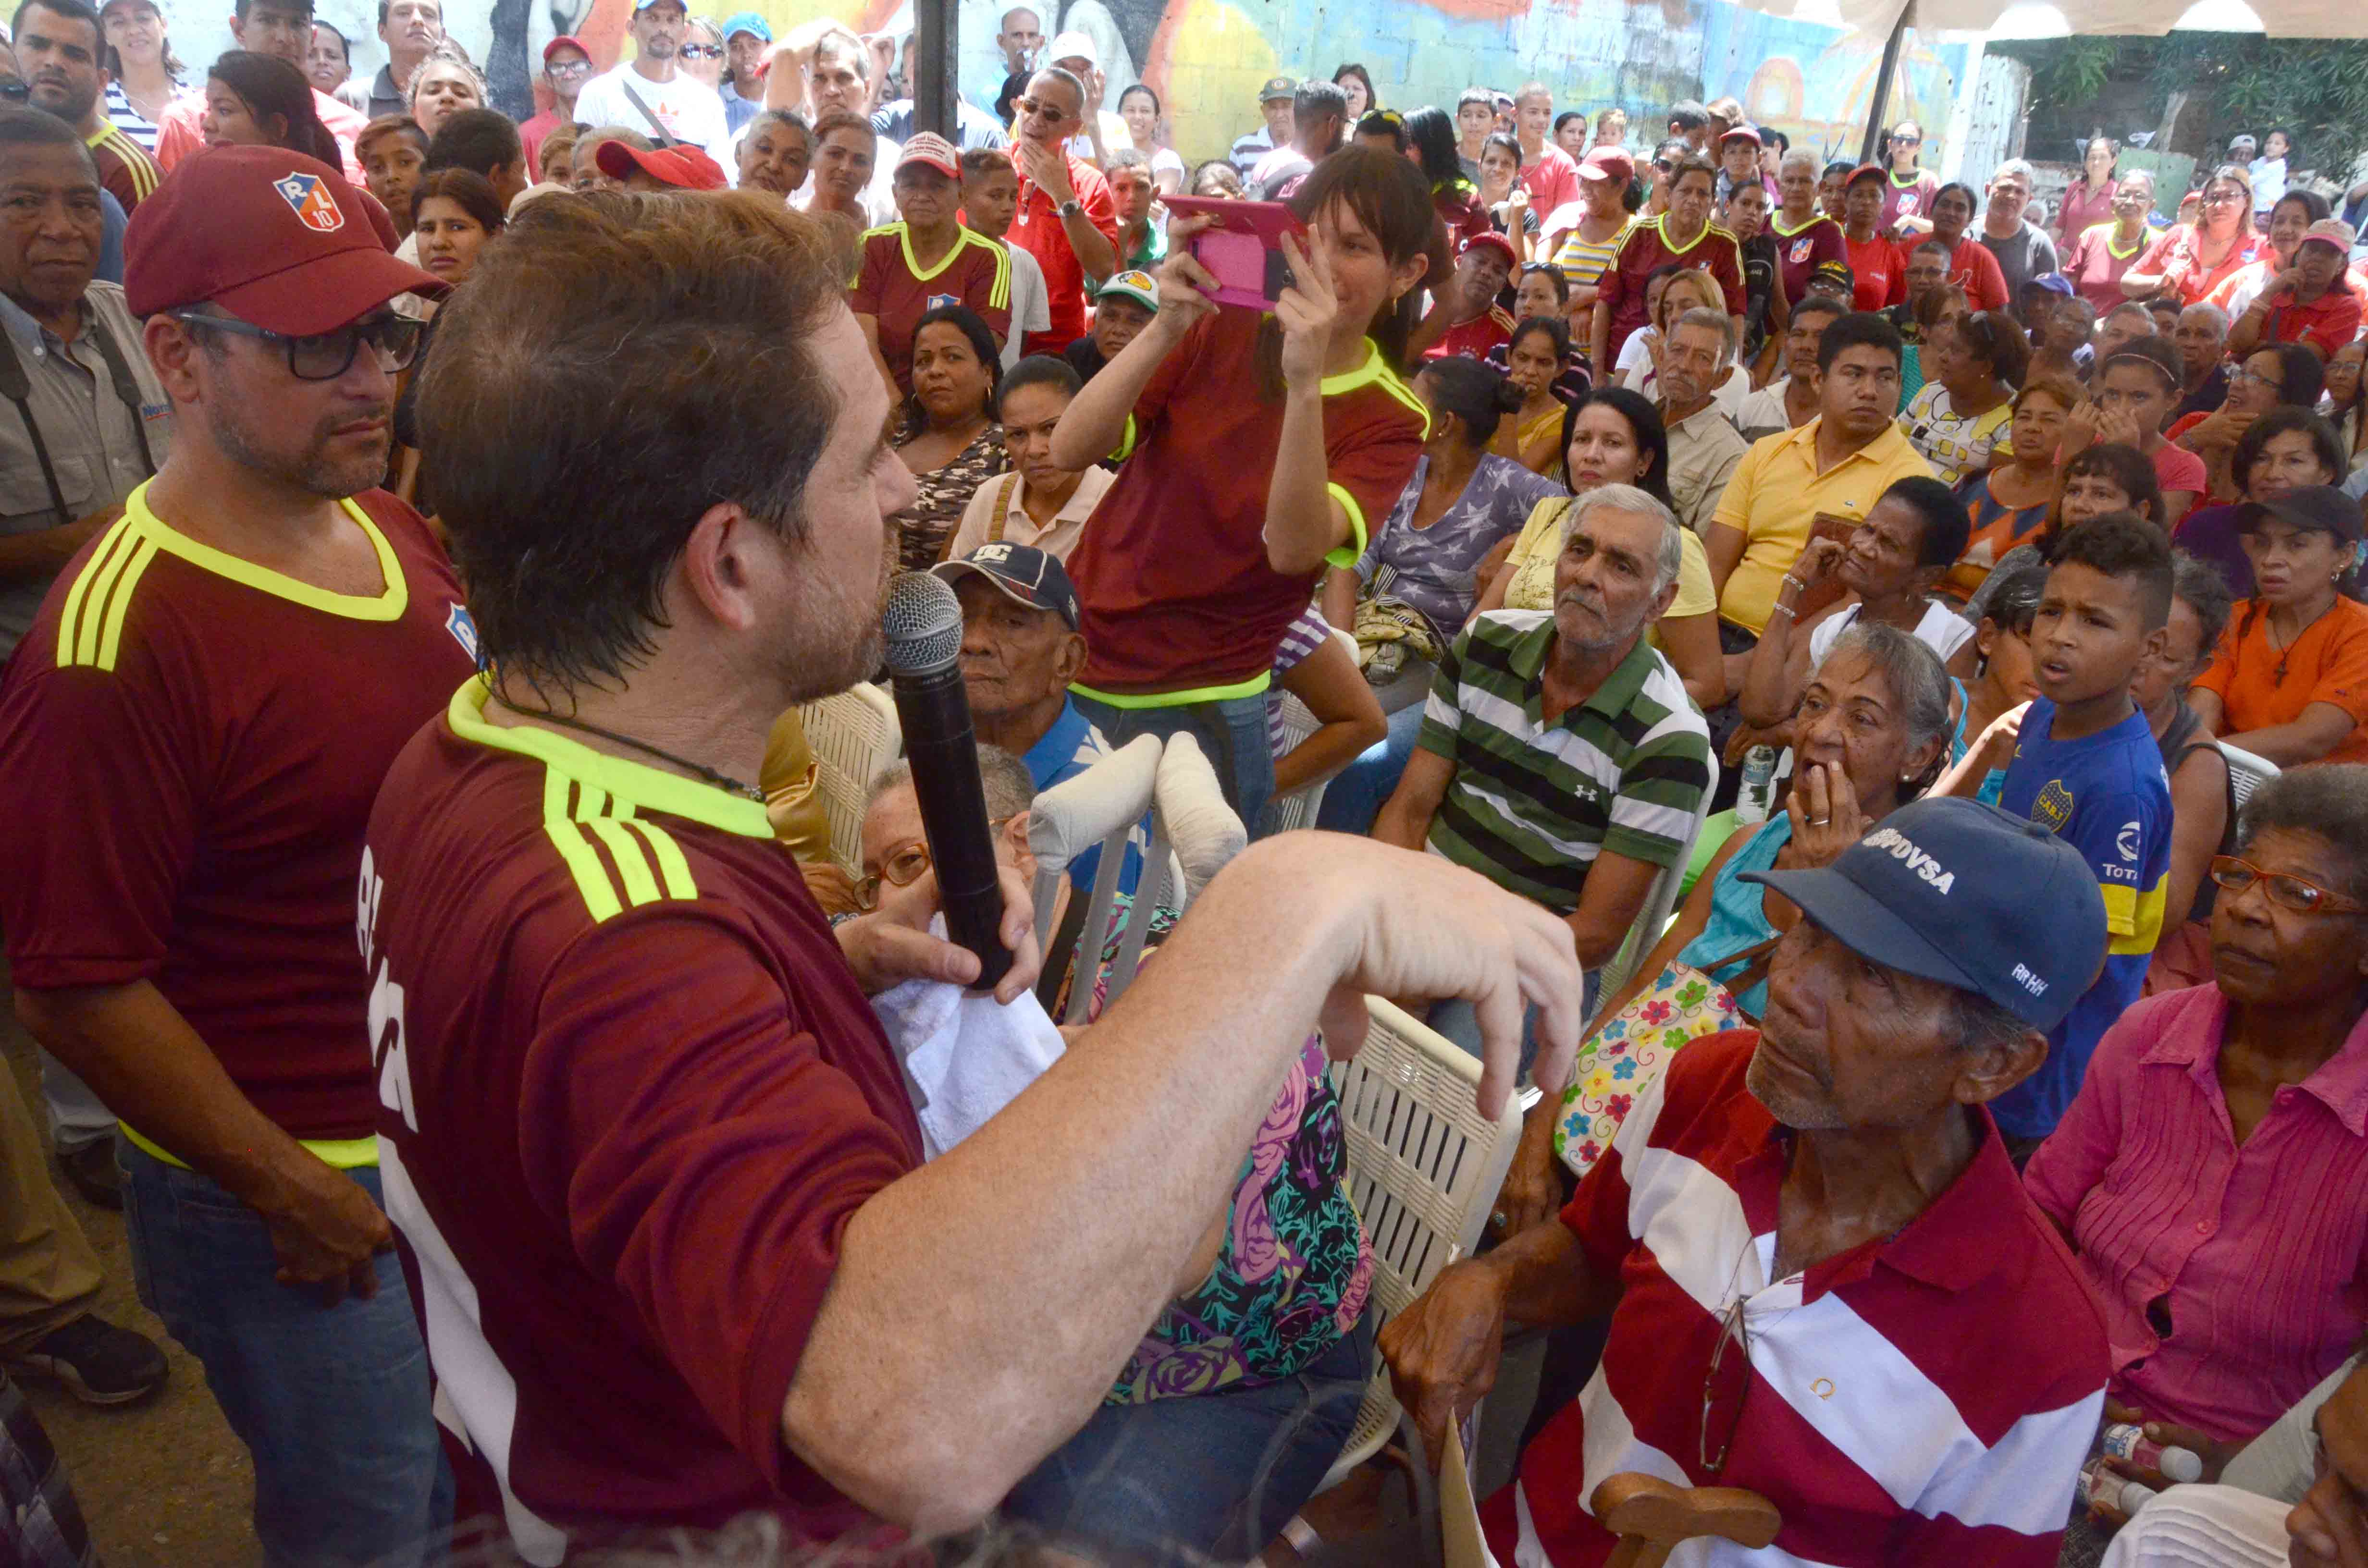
<point>2086,766</point>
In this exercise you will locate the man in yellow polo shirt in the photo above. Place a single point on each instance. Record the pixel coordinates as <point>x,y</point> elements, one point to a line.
<point>1840,463</point>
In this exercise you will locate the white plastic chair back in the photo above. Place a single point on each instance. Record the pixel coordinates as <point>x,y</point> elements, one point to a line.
<point>854,736</point>
<point>1654,918</point>
<point>1299,807</point>
<point>2247,772</point>
<point>1423,1166</point>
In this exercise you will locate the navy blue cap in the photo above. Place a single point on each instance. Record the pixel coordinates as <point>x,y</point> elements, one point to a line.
<point>1025,573</point>
<point>1966,894</point>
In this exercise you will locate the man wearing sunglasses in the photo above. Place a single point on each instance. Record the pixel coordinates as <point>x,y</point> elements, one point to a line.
<point>190,738</point>
<point>1065,219</point>
<point>1825,1281</point>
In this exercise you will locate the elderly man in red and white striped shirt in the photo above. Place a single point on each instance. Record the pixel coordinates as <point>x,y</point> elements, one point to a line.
<point>1826,1283</point>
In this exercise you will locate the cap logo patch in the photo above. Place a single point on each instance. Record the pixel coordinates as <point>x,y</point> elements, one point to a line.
<point>1900,847</point>
<point>309,199</point>
<point>994,554</point>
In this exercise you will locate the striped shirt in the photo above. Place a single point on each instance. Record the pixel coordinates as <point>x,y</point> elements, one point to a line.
<point>1583,260</point>
<point>1532,803</point>
<point>1925,1398</point>
<point>127,171</point>
<point>128,121</point>
<point>1301,637</point>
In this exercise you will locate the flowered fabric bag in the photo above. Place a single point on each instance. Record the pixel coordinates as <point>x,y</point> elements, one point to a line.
<point>1630,1051</point>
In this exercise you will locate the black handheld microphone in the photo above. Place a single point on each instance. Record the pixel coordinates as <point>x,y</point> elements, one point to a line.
<point>923,626</point>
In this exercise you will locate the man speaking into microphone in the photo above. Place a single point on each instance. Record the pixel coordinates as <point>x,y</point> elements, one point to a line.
<point>648,1150</point>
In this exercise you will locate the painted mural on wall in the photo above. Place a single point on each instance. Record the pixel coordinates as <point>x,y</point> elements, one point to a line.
<point>1207,57</point>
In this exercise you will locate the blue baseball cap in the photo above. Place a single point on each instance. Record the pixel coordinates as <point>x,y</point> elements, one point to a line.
<point>1969,895</point>
<point>1025,574</point>
<point>748,22</point>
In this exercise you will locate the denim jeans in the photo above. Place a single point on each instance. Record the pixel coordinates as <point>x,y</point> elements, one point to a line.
<point>331,1402</point>
<point>1215,1474</point>
<point>1232,734</point>
<point>1357,794</point>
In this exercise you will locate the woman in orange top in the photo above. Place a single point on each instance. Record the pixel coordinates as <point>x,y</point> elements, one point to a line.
<point>2192,259</point>
<point>2290,679</point>
<point>2009,501</point>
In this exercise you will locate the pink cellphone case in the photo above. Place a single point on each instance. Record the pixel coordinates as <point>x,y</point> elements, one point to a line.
<point>1243,249</point>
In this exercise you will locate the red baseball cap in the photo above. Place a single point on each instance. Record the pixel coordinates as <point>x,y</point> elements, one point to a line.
<point>1862,171</point>
<point>1490,242</point>
<point>1608,162</point>
<point>271,236</point>
<point>565,41</point>
<point>681,166</point>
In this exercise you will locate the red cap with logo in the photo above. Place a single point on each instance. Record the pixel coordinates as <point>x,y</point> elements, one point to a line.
<point>1607,162</point>
<point>271,236</point>
<point>681,165</point>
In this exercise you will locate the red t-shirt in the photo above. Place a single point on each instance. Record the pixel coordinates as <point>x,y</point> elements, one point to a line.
<point>1799,252</point>
<point>531,137</point>
<point>1878,272</point>
<point>1172,570</point>
<point>2176,468</point>
<point>2325,324</point>
<point>629,1097</point>
<point>197,741</point>
<point>1644,250</point>
<point>1912,199</point>
<point>892,289</point>
<point>1036,229</point>
<point>1551,181</point>
<point>1971,268</point>
<point>1472,339</point>
<point>2173,257</point>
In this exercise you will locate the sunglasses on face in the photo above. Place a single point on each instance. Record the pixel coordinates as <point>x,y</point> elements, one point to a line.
<point>702,51</point>
<point>1042,111</point>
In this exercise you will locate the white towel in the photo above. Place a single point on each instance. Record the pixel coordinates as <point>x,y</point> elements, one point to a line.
<point>965,1055</point>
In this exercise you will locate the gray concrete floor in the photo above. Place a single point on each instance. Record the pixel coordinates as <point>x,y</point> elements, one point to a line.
<point>164,1484</point>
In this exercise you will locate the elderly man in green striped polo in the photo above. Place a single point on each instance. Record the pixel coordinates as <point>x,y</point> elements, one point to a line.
<point>1560,757</point>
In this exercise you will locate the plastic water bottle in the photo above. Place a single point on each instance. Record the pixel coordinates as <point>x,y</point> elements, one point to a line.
<point>2126,1440</point>
<point>2100,1486</point>
<point>1757,793</point>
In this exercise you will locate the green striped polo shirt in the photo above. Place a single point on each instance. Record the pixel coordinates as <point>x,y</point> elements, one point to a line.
<point>1531,804</point>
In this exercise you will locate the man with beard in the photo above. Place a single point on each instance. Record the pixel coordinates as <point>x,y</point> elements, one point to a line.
<point>657,1169</point>
<point>653,93</point>
<point>1825,1281</point>
<point>58,46</point>
<point>1560,757</point>
<point>190,737</point>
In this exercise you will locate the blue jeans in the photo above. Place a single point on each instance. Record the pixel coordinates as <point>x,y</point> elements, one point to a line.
<point>1215,1474</point>
<point>1357,794</point>
<point>1459,1021</point>
<point>1232,734</point>
<point>331,1402</point>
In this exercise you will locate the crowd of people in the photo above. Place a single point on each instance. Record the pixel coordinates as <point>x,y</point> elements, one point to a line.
<point>425,527</point>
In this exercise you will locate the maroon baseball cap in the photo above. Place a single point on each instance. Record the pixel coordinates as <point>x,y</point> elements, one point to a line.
<point>1495,242</point>
<point>681,165</point>
<point>1608,162</point>
<point>271,236</point>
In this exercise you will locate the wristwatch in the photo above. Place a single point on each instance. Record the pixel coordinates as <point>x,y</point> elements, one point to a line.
<point>1073,208</point>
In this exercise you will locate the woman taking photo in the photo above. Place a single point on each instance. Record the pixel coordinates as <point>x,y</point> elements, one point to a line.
<point>2283,450</point>
<point>949,441</point>
<point>1139,106</point>
<point>442,87</point>
<point>260,100</point>
<point>1191,571</point>
<point>143,76</point>
<point>1534,358</point>
<point>1973,366</point>
<point>1872,729</point>
<point>1615,436</point>
<point>1430,132</point>
<point>2289,681</point>
<point>2193,258</point>
<point>2010,499</point>
<point>2107,477</point>
<point>2088,199</point>
<point>2211,1174</point>
<point>2097,257</point>
<point>1461,501</point>
<point>453,213</point>
<point>2283,375</point>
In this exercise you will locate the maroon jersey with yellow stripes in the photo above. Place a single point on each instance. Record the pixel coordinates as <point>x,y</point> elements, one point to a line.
<point>896,292</point>
<point>631,1095</point>
<point>189,745</point>
<point>1644,249</point>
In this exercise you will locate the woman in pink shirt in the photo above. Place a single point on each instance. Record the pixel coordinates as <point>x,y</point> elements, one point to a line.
<point>2212,1173</point>
<point>2088,200</point>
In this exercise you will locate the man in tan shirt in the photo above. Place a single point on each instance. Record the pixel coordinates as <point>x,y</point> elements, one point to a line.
<point>1703,447</point>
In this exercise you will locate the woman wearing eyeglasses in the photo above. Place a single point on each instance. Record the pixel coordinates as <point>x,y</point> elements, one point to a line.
<point>2290,678</point>
<point>2211,1175</point>
<point>2193,258</point>
<point>2283,375</point>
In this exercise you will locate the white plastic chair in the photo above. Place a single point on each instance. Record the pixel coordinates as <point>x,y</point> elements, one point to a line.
<point>1298,809</point>
<point>1659,903</point>
<point>1423,1166</point>
<point>2247,772</point>
<point>854,736</point>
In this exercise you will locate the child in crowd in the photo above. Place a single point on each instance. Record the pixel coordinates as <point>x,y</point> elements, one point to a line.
<point>2085,767</point>
<point>990,200</point>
